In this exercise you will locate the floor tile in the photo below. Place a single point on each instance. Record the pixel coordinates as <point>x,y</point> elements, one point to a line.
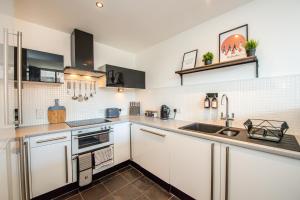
<point>174,198</point>
<point>125,168</point>
<point>143,197</point>
<point>128,192</point>
<point>67,195</point>
<point>109,197</point>
<point>75,197</point>
<point>157,193</point>
<point>109,176</point>
<point>115,183</point>
<point>143,183</point>
<point>131,174</point>
<point>95,193</point>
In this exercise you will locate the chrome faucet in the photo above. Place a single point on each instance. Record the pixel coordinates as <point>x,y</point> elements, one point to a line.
<point>227,118</point>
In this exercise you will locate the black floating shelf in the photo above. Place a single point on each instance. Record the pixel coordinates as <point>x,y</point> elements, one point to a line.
<point>243,61</point>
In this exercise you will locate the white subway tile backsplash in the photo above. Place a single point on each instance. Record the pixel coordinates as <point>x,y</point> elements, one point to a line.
<point>269,98</point>
<point>38,97</point>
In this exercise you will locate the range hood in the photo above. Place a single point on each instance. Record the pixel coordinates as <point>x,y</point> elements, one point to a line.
<point>82,55</point>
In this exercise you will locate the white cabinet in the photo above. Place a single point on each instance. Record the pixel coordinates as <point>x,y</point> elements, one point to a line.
<point>121,142</point>
<point>195,166</point>
<point>257,175</point>
<point>150,150</point>
<point>50,162</point>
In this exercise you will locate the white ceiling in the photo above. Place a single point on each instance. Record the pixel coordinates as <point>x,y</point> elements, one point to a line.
<point>130,25</point>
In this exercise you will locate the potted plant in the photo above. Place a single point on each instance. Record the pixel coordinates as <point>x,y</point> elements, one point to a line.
<point>250,47</point>
<point>207,58</point>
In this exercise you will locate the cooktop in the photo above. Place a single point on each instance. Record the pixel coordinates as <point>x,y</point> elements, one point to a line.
<point>87,122</point>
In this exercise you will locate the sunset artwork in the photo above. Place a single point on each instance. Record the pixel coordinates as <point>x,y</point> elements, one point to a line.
<point>232,45</point>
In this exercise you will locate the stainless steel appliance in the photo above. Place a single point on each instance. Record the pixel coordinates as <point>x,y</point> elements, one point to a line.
<point>112,112</point>
<point>89,139</point>
<point>164,112</point>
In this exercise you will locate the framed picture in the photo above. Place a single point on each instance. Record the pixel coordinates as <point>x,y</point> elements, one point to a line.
<point>189,59</point>
<point>231,44</point>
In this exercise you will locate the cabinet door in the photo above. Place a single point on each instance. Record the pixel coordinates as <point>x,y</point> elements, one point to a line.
<point>121,142</point>
<point>257,175</point>
<point>150,150</point>
<point>50,167</point>
<point>195,166</point>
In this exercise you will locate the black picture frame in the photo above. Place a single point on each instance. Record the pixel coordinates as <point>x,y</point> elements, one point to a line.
<point>186,53</point>
<point>247,36</point>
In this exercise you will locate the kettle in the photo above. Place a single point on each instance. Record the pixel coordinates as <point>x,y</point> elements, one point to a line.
<point>164,112</point>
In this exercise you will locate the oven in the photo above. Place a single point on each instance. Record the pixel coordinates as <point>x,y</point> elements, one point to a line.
<point>86,140</point>
<point>89,140</point>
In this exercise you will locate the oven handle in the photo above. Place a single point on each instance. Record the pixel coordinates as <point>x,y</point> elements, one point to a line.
<point>76,138</point>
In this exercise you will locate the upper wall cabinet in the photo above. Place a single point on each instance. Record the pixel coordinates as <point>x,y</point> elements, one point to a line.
<point>123,77</point>
<point>38,66</point>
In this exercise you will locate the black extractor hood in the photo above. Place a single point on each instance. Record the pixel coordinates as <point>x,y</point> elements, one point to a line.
<point>82,55</point>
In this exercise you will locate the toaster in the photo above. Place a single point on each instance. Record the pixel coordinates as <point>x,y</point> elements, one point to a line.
<point>112,112</point>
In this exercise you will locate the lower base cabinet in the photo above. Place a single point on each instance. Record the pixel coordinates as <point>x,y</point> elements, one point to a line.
<point>195,166</point>
<point>121,142</point>
<point>249,174</point>
<point>150,150</point>
<point>50,165</point>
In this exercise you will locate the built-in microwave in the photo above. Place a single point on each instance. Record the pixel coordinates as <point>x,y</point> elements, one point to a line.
<point>38,66</point>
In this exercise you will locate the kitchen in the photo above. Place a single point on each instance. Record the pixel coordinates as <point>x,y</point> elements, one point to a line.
<point>131,109</point>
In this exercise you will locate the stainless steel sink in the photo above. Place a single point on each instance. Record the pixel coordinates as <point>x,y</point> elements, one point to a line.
<point>205,128</point>
<point>230,132</point>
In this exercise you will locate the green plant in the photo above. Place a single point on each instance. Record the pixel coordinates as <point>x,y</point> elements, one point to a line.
<point>251,44</point>
<point>209,56</point>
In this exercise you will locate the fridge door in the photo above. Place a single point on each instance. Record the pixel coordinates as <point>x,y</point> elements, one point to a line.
<point>9,152</point>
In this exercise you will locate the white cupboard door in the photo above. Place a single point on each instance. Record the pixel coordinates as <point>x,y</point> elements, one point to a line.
<point>150,150</point>
<point>257,175</point>
<point>195,166</point>
<point>51,167</point>
<point>121,142</point>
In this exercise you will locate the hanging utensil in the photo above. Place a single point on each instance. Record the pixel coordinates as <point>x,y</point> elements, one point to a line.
<point>94,87</point>
<point>91,86</point>
<point>85,89</point>
<point>69,87</point>
<point>80,97</point>
<point>74,88</point>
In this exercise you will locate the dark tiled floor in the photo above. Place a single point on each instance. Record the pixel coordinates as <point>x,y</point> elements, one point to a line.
<point>125,184</point>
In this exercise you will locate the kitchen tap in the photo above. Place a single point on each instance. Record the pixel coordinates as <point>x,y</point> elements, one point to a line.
<point>229,120</point>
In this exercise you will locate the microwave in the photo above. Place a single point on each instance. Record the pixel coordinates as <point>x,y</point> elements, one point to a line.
<point>38,66</point>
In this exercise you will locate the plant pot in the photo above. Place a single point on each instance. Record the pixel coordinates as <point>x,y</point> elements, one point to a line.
<point>208,62</point>
<point>251,52</point>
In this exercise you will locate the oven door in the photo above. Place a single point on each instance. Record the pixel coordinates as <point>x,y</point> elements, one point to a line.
<point>89,141</point>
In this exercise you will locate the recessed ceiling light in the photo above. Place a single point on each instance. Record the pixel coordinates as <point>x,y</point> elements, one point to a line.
<point>99,4</point>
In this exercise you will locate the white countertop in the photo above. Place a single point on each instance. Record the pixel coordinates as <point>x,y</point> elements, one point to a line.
<point>169,125</point>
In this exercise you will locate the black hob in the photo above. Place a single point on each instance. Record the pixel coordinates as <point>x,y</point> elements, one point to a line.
<point>87,122</point>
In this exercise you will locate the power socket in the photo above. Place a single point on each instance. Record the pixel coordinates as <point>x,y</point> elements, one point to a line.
<point>39,113</point>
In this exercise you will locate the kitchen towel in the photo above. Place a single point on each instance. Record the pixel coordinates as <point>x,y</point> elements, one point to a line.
<point>104,156</point>
<point>85,169</point>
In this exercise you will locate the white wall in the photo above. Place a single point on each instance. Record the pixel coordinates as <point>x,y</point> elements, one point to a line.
<point>275,95</point>
<point>37,98</point>
<point>273,23</point>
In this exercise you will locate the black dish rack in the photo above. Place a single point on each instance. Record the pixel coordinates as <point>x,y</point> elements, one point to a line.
<point>270,130</point>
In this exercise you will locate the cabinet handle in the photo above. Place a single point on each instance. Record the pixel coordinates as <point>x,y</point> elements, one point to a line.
<point>212,163</point>
<point>152,132</point>
<point>5,76</point>
<point>51,139</point>
<point>227,173</point>
<point>66,164</point>
<point>25,170</point>
<point>19,77</point>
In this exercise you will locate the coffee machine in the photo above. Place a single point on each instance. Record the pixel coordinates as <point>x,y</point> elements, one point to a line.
<point>164,112</point>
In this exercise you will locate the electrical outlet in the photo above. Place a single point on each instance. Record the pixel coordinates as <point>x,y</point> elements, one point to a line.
<point>39,113</point>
